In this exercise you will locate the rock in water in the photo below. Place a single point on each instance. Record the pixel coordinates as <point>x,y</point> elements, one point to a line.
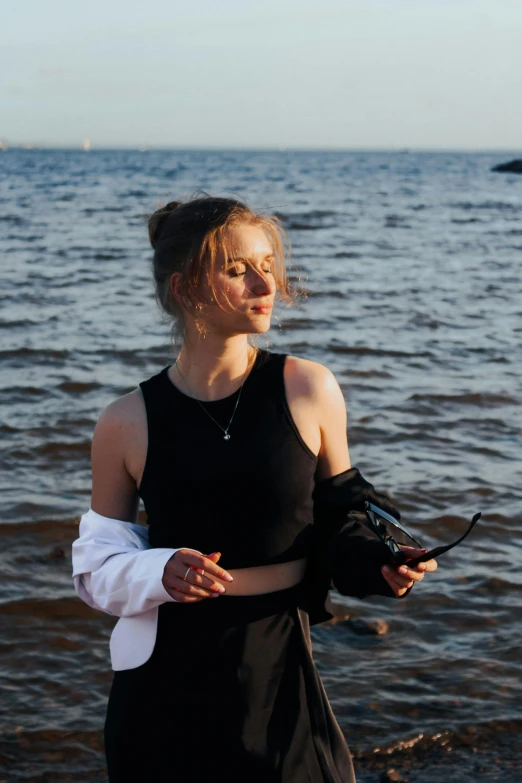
<point>514,166</point>
<point>392,776</point>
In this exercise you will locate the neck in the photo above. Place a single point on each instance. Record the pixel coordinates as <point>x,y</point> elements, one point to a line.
<point>214,367</point>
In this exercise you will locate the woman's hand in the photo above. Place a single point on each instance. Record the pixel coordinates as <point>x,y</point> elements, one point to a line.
<point>401,578</point>
<point>199,583</point>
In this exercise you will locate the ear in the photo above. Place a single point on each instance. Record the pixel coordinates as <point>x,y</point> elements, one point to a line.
<point>175,286</point>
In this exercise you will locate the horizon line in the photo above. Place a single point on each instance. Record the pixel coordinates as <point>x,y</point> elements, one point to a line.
<point>5,146</point>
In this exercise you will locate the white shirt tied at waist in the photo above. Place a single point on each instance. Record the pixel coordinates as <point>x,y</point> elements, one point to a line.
<point>116,571</point>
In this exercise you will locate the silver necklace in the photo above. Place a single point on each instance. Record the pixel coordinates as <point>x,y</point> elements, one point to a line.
<point>226,436</point>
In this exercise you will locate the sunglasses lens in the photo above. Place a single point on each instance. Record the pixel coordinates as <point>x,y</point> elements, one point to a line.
<point>387,530</point>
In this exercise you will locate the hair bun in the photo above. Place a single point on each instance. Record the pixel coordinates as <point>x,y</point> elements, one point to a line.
<point>157,219</point>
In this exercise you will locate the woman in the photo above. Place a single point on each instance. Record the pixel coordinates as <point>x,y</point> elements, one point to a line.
<point>226,447</point>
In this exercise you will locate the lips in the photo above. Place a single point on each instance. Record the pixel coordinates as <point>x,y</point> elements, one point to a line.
<point>262,309</point>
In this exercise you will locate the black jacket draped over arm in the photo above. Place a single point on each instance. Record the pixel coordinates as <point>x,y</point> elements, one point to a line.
<point>346,554</point>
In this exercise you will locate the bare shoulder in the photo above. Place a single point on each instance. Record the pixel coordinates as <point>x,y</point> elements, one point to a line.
<point>318,405</point>
<point>319,410</point>
<point>311,380</point>
<point>120,416</point>
<point>120,434</point>
<point>116,457</point>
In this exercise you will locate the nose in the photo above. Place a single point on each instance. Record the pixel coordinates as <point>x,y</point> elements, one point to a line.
<point>262,283</point>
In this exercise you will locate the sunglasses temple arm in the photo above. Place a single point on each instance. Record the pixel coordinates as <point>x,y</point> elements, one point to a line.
<point>440,550</point>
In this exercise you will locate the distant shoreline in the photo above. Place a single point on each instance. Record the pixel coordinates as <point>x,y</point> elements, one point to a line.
<point>28,147</point>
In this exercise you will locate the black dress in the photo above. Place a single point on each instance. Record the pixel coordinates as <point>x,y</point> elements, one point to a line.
<point>231,691</point>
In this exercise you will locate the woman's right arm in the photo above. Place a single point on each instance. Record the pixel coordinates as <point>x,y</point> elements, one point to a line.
<point>114,569</point>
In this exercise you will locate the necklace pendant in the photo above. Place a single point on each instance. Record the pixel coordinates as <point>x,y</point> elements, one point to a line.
<point>226,436</point>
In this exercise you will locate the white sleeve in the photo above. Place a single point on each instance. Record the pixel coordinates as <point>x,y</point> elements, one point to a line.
<point>114,568</point>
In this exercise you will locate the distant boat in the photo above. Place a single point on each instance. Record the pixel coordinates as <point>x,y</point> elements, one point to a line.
<point>86,145</point>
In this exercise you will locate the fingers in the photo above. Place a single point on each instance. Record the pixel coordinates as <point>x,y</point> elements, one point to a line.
<point>204,563</point>
<point>187,588</point>
<point>415,574</point>
<point>204,581</point>
<point>398,582</point>
<point>185,576</point>
<point>197,569</point>
<point>430,565</point>
<point>401,578</point>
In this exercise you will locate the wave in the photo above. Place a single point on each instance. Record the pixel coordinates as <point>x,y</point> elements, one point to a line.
<point>21,391</point>
<point>14,220</point>
<point>359,350</point>
<point>59,450</point>
<point>49,608</point>
<point>76,387</point>
<point>38,353</point>
<point>463,221</point>
<point>115,255</point>
<point>461,755</point>
<point>396,221</point>
<point>492,743</point>
<point>50,529</point>
<point>307,221</point>
<point>51,754</point>
<point>481,399</point>
<point>488,205</point>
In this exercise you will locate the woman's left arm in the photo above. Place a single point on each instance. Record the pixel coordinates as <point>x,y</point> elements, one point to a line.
<point>316,384</point>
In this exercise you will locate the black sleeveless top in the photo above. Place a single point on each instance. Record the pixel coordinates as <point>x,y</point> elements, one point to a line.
<point>249,497</point>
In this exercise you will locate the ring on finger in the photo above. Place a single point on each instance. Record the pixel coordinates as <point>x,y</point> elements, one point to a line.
<point>185,577</point>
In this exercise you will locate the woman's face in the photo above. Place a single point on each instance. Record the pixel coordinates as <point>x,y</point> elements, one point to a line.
<point>246,279</point>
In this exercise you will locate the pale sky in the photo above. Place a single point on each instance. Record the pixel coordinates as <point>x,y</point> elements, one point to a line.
<point>275,73</point>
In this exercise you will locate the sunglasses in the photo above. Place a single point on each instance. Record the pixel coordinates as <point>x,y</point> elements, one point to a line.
<point>392,533</point>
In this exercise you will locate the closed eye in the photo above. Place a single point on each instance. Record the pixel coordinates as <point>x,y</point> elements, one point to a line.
<point>237,267</point>
<point>240,273</point>
<point>236,273</point>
